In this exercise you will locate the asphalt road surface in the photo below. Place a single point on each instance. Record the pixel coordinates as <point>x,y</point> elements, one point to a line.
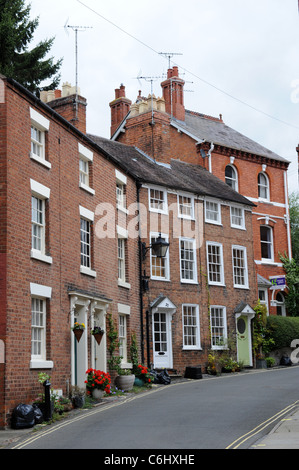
<point>228,412</point>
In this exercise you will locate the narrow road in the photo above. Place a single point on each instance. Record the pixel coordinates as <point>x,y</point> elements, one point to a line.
<point>230,411</point>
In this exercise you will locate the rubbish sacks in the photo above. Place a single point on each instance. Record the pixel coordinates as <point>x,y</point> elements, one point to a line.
<point>23,416</point>
<point>161,377</point>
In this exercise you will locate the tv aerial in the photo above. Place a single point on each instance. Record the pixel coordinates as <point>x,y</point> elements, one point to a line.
<point>76,29</point>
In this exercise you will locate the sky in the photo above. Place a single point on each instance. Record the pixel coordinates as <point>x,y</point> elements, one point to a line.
<point>239,59</point>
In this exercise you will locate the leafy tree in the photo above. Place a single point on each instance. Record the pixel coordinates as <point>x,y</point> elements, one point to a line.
<point>28,67</point>
<point>294,222</point>
<point>292,280</point>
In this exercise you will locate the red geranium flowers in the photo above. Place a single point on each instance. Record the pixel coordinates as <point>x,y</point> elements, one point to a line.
<point>98,379</point>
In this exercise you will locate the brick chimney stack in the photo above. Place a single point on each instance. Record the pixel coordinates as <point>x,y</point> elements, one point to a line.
<point>120,107</point>
<point>64,103</point>
<point>173,94</point>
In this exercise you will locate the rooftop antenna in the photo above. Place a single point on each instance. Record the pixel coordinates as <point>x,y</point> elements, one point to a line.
<point>150,79</point>
<point>76,29</point>
<point>169,55</point>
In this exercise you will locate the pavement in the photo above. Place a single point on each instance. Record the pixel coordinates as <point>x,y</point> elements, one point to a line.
<point>284,435</point>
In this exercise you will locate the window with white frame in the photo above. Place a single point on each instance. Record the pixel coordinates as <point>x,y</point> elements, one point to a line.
<point>121,185</point>
<point>86,220</point>
<point>38,224</point>
<point>122,336</point>
<point>85,160</point>
<point>266,234</point>
<point>213,212</point>
<point>85,231</point>
<point>84,171</point>
<point>39,126</point>
<point>37,142</point>
<point>39,195</point>
<point>215,263</point>
<point>191,331</point>
<point>188,260</point>
<point>38,328</point>
<point>218,326</point>
<point>123,324</point>
<point>157,200</point>
<point>263,186</point>
<point>231,177</point>
<point>39,296</point>
<point>237,218</point>
<point>185,206</point>
<point>159,266</point>
<point>263,297</point>
<point>121,257</point>
<point>240,272</point>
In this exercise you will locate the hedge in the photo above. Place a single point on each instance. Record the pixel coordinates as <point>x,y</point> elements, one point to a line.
<point>283,330</point>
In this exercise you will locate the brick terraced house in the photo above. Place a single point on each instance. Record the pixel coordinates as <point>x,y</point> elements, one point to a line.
<point>194,296</point>
<point>80,216</point>
<point>165,130</point>
<point>54,268</point>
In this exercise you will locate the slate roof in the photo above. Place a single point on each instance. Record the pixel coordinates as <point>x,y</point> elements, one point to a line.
<point>216,131</point>
<point>177,175</point>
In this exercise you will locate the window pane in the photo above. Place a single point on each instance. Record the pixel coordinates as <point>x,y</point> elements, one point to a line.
<point>218,328</point>
<point>37,223</point>
<point>156,199</point>
<point>266,242</point>
<point>37,327</point>
<point>187,260</point>
<point>212,211</point>
<point>85,243</point>
<point>215,263</point>
<point>190,325</point>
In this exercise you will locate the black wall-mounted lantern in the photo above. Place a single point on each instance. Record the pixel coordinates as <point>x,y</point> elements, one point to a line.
<point>159,248</point>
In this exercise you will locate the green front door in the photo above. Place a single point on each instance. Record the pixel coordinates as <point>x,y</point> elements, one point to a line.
<point>244,340</point>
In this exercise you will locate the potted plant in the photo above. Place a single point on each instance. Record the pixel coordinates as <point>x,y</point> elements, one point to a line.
<point>77,395</point>
<point>97,332</point>
<point>63,404</point>
<point>125,379</point>
<point>97,383</point>
<point>142,375</point>
<point>78,330</point>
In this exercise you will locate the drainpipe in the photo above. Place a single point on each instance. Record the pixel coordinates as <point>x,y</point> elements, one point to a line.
<point>138,186</point>
<point>287,214</point>
<point>210,156</point>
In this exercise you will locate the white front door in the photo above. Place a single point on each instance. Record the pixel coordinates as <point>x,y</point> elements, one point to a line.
<point>162,340</point>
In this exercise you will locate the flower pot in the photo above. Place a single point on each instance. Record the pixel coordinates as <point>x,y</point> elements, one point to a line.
<point>78,401</point>
<point>78,333</point>
<point>125,382</point>
<point>97,393</point>
<point>98,337</point>
<point>138,382</point>
<point>261,364</point>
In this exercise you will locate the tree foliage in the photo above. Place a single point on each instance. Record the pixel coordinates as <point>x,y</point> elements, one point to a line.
<point>28,67</point>
<point>291,268</point>
<point>294,221</point>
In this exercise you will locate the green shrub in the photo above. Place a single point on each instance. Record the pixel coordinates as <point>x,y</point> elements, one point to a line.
<point>282,330</point>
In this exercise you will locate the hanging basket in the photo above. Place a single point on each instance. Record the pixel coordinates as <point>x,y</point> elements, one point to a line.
<point>78,333</point>
<point>98,337</point>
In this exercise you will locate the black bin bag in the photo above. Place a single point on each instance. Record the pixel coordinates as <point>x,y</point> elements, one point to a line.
<point>23,416</point>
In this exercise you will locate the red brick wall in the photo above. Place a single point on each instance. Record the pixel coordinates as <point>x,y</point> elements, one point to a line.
<point>63,244</point>
<point>163,142</point>
<point>199,294</point>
